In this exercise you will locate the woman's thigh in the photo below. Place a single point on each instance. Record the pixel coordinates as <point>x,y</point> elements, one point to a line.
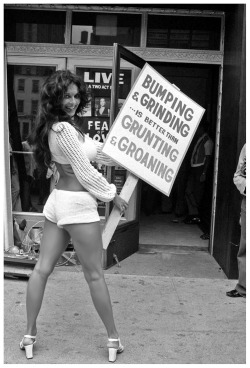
<point>87,242</point>
<point>54,242</point>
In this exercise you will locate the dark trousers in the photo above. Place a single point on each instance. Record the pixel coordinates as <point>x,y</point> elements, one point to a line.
<point>241,256</point>
<point>194,190</point>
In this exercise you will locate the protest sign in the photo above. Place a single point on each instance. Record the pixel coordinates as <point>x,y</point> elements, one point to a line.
<point>153,130</point>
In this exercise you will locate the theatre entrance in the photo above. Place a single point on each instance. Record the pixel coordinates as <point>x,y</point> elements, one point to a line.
<point>162,218</point>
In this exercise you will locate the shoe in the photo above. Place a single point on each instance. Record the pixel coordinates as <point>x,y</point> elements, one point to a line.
<point>192,220</point>
<point>187,218</point>
<point>175,220</point>
<point>28,348</point>
<point>233,294</point>
<point>205,236</point>
<point>114,347</point>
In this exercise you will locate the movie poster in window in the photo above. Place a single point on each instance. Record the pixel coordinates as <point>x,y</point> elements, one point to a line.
<point>95,120</point>
<point>102,106</point>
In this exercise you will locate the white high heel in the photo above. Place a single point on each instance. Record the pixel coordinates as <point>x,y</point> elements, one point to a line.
<point>114,349</point>
<point>28,348</point>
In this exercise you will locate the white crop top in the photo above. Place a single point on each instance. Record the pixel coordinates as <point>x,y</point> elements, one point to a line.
<point>68,146</point>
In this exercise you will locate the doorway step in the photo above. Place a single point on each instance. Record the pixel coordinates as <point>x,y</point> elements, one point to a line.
<point>159,231</point>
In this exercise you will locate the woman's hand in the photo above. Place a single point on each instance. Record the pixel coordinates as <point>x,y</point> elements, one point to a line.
<point>120,203</point>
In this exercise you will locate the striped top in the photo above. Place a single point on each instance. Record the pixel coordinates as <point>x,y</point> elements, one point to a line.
<point>68,146</point>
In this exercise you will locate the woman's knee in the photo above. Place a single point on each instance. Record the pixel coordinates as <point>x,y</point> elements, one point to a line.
<point>43,270</point>
<point>92,275</point>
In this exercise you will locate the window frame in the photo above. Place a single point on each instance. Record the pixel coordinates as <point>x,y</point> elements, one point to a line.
<point>191,14</point>
<point>107,13</point>
<point>35,86</point>
<point>144,12</point>
<point>21,85</point>
<point>20,103</point>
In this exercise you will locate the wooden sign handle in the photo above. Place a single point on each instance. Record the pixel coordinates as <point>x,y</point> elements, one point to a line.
<point>115,215</point>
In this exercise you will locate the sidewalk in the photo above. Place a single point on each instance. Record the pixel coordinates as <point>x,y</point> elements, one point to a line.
<point>170,307</point>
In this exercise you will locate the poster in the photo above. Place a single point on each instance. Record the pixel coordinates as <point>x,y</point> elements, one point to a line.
<point>95,118</point>
<point>153,130</point>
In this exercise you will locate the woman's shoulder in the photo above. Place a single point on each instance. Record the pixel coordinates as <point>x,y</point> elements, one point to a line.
<point>62,125</point>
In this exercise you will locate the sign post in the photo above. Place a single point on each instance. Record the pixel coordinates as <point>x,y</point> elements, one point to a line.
<point>115,215</point>
<point>151,135</point>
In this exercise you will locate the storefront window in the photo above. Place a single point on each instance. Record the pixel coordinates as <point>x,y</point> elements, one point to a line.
<point>34,26</point>
<point>29,187</point>
<point>105,29</point>
<point>183,32</point>
<point>95,120</point>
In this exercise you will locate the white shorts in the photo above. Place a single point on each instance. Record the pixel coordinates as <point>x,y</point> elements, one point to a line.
<point>65,207</point>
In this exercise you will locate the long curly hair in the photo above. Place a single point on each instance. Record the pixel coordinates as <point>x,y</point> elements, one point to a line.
<point>50,111</point>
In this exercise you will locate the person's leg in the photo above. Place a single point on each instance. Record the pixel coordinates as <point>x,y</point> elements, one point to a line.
<point>87,242</point>
<point>181,204</point>
<point>190,194</point>
<point>241,256</point>
<point>199,187</point>
<point>53,243</point>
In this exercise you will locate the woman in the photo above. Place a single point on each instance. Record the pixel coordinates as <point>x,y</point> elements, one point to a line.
<point>71,209</point>
<point>103,110</point>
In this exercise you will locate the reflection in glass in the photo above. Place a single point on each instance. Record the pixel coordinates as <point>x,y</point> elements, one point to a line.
<point>105,29</point>
<point>34,26</point>
<point>29,188</point>
<point>179,32</point>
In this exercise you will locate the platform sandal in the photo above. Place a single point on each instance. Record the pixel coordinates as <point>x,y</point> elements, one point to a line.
<point>28,348</point>
<point>114,348</point>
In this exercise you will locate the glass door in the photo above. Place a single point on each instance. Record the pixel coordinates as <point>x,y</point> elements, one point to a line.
<point>96,122</point>
<point>29,188</point>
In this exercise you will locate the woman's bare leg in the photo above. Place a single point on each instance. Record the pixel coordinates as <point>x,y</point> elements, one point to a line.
<point>87,242</point>
<point>54,242</point>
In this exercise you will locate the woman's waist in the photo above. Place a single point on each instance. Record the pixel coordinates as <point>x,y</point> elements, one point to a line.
<point>71,196</point>
<point>67,179</point>
<point>70,183</point>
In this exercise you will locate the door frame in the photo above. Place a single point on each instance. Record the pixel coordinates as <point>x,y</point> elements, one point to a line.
<point>121,52</point>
